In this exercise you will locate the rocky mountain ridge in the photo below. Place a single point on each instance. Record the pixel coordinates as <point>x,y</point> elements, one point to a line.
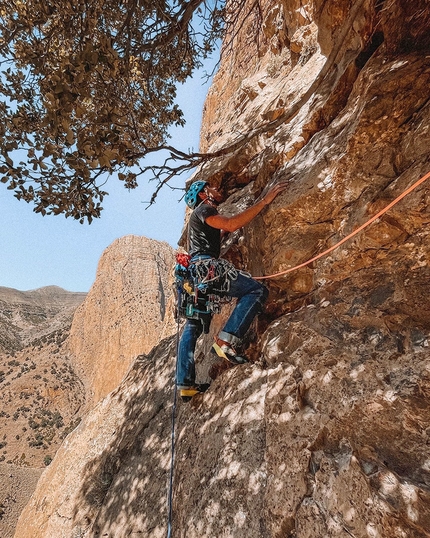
<point>326,432</point>
<point>127,311</point>
<point>27,315</point>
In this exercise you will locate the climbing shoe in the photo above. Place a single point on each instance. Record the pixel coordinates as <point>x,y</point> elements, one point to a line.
<point>228,353</point>
<point>187,393</point>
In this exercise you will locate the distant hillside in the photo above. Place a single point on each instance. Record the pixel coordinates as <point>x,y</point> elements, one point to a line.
<point>40,392</point>
<point>28,315</point>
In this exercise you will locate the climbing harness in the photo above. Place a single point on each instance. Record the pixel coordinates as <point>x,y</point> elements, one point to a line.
<point>202,286</point>
<point>352,234</point>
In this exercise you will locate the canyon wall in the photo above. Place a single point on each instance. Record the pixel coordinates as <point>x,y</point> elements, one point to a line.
<point>326,432</point>
<point>128,310</point>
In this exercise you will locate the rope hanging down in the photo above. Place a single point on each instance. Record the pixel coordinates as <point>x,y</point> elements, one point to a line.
<point>172,443</point>
<point>355,232</point>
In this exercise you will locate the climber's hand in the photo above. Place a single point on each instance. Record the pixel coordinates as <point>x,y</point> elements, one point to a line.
<point>273,191</point>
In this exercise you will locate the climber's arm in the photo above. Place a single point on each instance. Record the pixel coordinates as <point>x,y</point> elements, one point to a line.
<point>233,223</point>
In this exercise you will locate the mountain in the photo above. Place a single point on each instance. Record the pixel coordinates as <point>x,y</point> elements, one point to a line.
<point>27,315</point>
<point>326,432</point>
<point>127,311</point>
<point>41,393</point>
<point>41,397</point>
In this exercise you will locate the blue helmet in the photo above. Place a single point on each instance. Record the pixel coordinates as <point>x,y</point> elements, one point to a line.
<point>192,195</point>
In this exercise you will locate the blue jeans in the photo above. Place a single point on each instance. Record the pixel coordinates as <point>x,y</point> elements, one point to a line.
<point>251,297</point>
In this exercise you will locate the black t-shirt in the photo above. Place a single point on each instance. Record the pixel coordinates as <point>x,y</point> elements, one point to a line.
<point>203,239</point>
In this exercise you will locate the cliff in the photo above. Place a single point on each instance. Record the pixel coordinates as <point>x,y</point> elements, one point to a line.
<point>326,432</point>
<point>127,312</point>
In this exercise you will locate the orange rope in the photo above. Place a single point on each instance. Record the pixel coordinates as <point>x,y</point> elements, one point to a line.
<point>355,232</point>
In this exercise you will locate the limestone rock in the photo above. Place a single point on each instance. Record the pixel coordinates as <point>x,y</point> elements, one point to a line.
<point>42,398</point>
<point>127,311</point>
<point>326,432</point>
<point>316,439</point>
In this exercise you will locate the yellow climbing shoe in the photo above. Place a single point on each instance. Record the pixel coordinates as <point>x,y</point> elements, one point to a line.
<point>187,393</point>
<point>228,353</point>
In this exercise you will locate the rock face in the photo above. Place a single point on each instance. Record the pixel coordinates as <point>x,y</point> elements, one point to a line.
<point>327,432</point>
<point>302,443</point>
<point>127,311</point>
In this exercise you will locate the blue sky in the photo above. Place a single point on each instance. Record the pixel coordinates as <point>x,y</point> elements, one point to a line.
<point>38,251</point>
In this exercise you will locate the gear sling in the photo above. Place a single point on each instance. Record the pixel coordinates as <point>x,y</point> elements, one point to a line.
<point>202,285</point>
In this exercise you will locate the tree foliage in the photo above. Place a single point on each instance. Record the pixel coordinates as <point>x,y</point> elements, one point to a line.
<point>88,90</point>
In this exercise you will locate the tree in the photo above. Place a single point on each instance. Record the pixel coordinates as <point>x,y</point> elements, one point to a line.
<point>88,90</point>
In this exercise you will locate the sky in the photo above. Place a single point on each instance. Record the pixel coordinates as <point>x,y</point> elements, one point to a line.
<point>37,251</point>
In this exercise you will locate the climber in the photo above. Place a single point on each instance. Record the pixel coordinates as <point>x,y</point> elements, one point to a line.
<point>204,237</point>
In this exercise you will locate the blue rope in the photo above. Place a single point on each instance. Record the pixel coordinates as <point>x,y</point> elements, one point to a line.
<point>172,460</point>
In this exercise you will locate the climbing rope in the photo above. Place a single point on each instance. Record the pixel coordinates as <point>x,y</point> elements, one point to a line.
<point>352,234</point>
<point>172,446</point>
